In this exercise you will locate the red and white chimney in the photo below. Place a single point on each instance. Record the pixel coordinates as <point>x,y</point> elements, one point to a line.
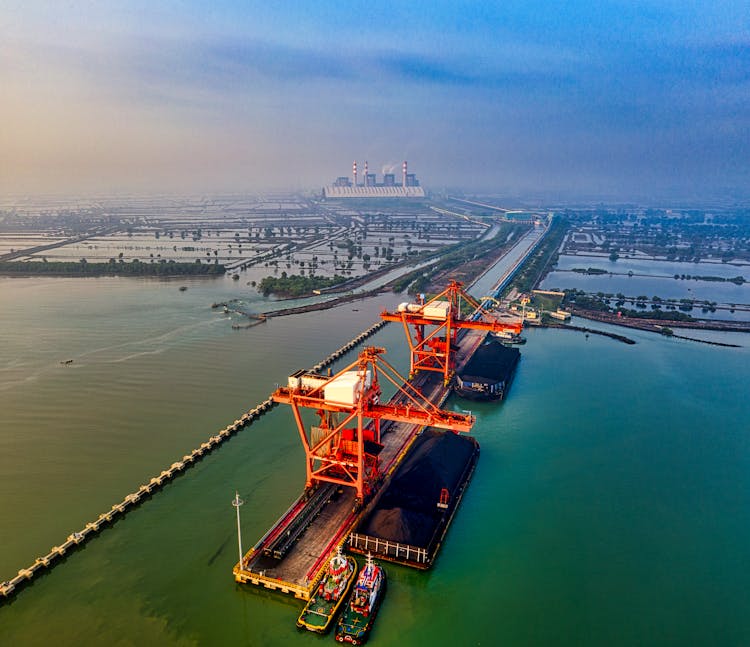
<point>366,179</point>
<point>404,172</point>
<point>354,172</point>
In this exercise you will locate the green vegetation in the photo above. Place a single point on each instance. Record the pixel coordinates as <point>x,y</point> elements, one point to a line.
<point>419,280</point>
<point>546,302</point>
<point>662,315</point>
<point>737,280</point>
<point>589,270</point>
<point>453,257</point>
<point>296,285</point>
<point>112,268</point>
<point>586,301</point>
<point>600,303</point>
<point>544,256</point>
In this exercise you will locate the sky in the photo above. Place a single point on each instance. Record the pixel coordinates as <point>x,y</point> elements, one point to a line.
<point>585,97</point>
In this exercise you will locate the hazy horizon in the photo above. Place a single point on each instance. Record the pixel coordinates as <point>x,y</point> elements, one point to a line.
<point>619,99</point>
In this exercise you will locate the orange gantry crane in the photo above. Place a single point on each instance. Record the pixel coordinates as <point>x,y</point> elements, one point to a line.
<point>435,325</point>
<point>343,447</point>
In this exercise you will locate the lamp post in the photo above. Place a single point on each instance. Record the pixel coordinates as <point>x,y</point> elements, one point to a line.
<point>237,502</point>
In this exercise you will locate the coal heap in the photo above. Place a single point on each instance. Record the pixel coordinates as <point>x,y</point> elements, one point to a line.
<point>493,362</point>
<point>407,512</point>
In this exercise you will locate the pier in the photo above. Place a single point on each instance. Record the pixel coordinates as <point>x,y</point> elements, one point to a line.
<point>319,521</point>
<point>291,556</point>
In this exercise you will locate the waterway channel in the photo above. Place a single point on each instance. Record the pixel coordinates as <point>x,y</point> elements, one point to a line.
<point>484,285</point>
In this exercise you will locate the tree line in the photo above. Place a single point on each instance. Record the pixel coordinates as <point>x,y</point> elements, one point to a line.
<point>112,268</point>
<point>296,285</point>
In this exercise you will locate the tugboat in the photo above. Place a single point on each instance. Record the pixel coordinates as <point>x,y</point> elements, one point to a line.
<point>356,622</point>
<point>336,583</point>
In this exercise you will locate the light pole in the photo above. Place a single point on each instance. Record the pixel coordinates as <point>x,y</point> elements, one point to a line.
<point>237,502</point>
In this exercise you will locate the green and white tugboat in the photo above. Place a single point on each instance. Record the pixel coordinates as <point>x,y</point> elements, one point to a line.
<point>356,621</point>
<point>320,611</point>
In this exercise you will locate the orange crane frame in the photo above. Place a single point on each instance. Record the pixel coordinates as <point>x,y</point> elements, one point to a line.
<point>433,350</point>
<point>334,459</point>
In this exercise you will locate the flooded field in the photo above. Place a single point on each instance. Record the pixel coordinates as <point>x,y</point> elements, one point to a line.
<point>634,277</point>
<point>258,235</point>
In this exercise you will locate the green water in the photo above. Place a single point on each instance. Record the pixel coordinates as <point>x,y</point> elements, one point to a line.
<point>609,506</point>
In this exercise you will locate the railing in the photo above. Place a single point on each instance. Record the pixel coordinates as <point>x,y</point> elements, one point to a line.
<point>391,549</point>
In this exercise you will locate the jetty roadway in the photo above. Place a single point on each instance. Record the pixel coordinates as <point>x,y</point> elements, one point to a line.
<point>291,556</point>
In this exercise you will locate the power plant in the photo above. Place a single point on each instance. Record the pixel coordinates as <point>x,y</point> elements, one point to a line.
<point>368,186</point>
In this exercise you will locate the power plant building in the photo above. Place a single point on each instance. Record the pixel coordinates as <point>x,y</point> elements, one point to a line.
<point>368,187</point>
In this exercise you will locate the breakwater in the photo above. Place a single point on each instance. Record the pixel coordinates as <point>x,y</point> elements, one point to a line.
<point>592,331</point>
<point>79,538</point>
<point>322,305</point>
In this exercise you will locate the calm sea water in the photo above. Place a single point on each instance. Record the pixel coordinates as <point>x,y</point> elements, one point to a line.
<point>609,506</point>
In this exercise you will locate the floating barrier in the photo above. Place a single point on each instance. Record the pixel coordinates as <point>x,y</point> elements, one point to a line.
<point>92,528</point>
<point>349,346</point>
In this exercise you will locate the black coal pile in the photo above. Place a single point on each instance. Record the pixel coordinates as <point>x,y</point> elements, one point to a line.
<point>493,362</point>
<point>407,512</point>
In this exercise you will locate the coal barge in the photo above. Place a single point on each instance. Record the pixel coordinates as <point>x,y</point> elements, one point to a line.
<point>489,372</point>
<point>408,522</point>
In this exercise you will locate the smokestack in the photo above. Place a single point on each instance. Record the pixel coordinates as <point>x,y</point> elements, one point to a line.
<point>404,179</point>
<point>366,180</point>
<point>354,172</point>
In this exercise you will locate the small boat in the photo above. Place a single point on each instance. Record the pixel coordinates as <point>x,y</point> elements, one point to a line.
<point>66,362</point>
<point>358,616</point>
<point>320,611</point>
<point>183,288</point>
<point>509,337</point>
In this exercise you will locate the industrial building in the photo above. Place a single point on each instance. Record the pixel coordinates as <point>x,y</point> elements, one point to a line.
<point>368,186</point>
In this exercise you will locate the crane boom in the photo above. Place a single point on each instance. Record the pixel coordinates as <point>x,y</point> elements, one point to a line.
<point>432,328</point>
<point>348,455</point>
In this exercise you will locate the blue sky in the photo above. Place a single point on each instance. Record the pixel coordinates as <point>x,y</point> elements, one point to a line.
<point>597,98</point>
